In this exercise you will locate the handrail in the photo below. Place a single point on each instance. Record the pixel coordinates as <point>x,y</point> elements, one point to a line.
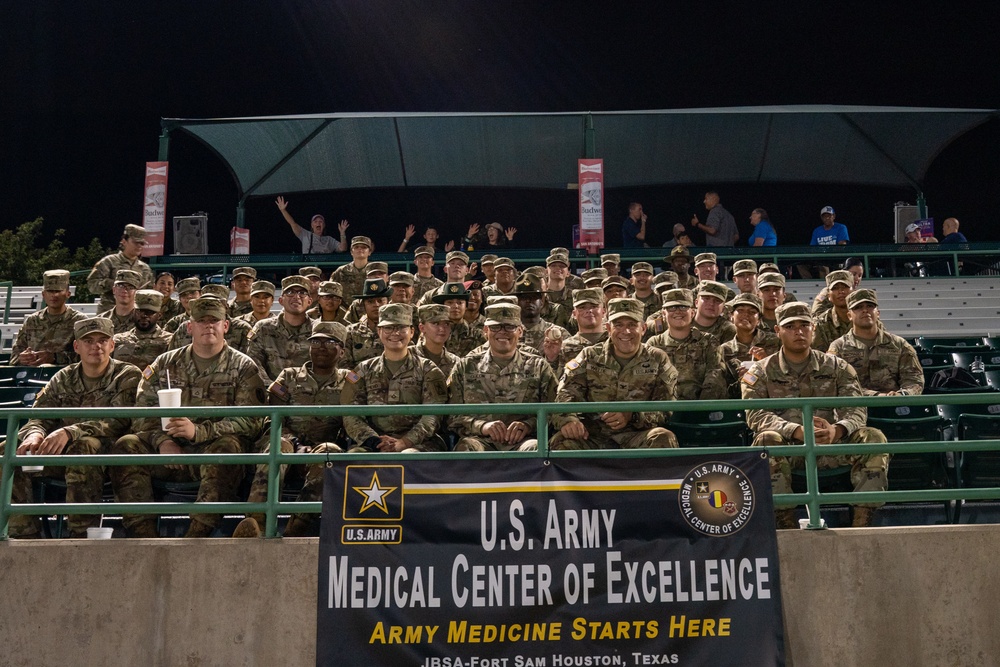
<point>813,498</point>
<point>10,291</point>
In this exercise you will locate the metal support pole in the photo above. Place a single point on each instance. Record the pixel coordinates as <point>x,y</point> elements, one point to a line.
<point>241,214</point>
<point>164,155</point>
<point>273,478</point>
<point>589,138</point>
<point>921,205</point>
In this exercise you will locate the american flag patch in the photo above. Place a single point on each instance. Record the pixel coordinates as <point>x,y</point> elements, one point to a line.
<point>573,365</point>
<point>353,377</point>
<point>278,389</point>
<point>750,379</point>
<point>148,373</point>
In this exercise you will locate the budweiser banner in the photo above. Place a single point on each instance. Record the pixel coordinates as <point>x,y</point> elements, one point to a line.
<point>154,211</point>
<point>549,562</point>
<point>591,185</point>
<point>239,241</point>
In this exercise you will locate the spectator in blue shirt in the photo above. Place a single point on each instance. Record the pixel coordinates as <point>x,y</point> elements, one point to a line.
<point>830,232</point>
<point>950,230</point>
<point>634,227</point>
<point>763,231</point>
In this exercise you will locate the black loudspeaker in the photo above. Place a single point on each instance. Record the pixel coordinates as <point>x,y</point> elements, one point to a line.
<point>191,234</point>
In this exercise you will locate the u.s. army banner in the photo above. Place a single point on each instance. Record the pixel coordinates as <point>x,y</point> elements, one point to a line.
<point>559,562</point>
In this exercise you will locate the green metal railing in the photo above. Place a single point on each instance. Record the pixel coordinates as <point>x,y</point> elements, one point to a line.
<point>812,498</point>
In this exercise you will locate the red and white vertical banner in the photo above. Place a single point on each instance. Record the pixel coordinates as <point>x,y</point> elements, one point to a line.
<point>239,241</point>
<point>154,209</point>
<point>591,184</point>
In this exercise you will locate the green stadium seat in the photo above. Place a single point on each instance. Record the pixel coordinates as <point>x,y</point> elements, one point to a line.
<point>11,376</point>
<point>710,429</point>
<point>990,359</point>
<point>940,359</point>
<point>928,343</point>
<point>992,341</point>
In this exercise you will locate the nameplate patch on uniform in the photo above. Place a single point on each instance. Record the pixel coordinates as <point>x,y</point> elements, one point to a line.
<point>148,373</point>
<point>750,379</point>
<point>353,377</point>
<point>278,389</point>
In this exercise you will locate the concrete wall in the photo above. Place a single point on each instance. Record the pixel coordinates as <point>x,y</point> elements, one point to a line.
<point>886,596</point>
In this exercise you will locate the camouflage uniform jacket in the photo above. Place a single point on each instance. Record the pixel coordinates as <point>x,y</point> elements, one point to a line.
<point>175,322</point>
<point>721,330</point>
<point>574,282</point>
<point>351,278</point>
<point>573,346</point>
<point>825,375</point>
<point>237,308</point>
<point>122,323</point>
<point>102,277</point>
<point>464,338</point>
<point>558,315</point>
<point>299,386</point>
<point>652,303</point>
<point>52,333</point>
<point>66,389</point>
<point>362,343</point>
<point>698,360</point>
<point>821,302</point>
<point>423,285</point>
<point>171,309</point>
<point>734,353</point>
<point>275,345</point>
<point>250,319</point>
<point>494,290</point>
<point>689,282</point>
<point>234,379</point>
<point>889,364</point>
<point>595,376</point>
<point>419,381</point>
<point>829,327</point>
<point>477,379</point>
<point>534,336</point>
<point>315,313</point>
<point>445,362</point>
<point>139,348</point>
<point>238,336</point>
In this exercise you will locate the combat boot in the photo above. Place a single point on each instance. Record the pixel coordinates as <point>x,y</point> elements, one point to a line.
<point>785,519</point>
<point>298,527</point>
<point>199,529</point>
<point>248,527</point>
<point>861,517</point>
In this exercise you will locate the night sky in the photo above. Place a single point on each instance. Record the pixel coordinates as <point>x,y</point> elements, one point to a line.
<point>86,83</point>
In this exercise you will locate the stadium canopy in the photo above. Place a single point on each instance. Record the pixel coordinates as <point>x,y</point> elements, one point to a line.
<point>886,146</point>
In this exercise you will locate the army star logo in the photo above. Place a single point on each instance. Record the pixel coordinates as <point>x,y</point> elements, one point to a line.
<point>702,487</point>
<point>374,494</point>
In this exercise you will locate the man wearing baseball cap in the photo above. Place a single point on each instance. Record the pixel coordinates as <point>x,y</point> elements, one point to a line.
<point>261,300</point>
<point>797,366</point>
<point>362,336</point>
<point>352,275</point>
<point>435,330</point>
<point>46,337</point>
<point>147,339</point>
<point>282,341</point>
<point>639,373</point>
<point>464,338</point>
<point>748,344</point>
<point>710,309</point>
<point>540,335</point>
<point>123,312</point>
<point>102,277</point>
<point>313,239</point>
<point>588,312</point>
<point>642,284</point>
<point>504,275</point>
<point>835,322</point>
<point>241,283</point>
<point>745,276</point>
<point>187,290</point>
<point>424,280</point>
<point>96,380</point>
<point>695,354</point>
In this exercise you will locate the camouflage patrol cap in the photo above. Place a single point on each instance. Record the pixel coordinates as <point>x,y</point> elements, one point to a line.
<point>424,250</point>
<point>744,266</point>
<point>768,267</point>
<point>527,285</point>
<point>614,281</point>
<point>401,278</point>
<point>559,251</point>
<point>135,233</point>
<point>187,285</point>
<point>362,240</point>
<point>456,254</point>
<point>642,267</point>
<point>332,330</point>
<point>128,277</point>
<point>502,313</point>
<point>450,291</point>
<point>537,271</point>
<point>713,288</point>
<point>835,277</point>
<point>214,291</point>
<point>102,325</point>
<point>262,287</point>
<point>747,299</point>
<point>149,299</point>
<point>244,271</point>
<point>376,267</point>
<point>557,259</point>
<point>678,297</point>
<point>330,288</point>
<point>770,280</point>
<point>594,277</point>
<point>393,314</point>
<point>860,296</point>
<point>665,277</point>
<point>503,261</point>
<point>56,279</point>
<point>611,258</point>
<point>706,258</point>
<point>308,272</point>
<point>494,299</point>
<point>487,259</point>
<point>631,308</point>
<point>208,307</point>
<point>432,312</point>
<point>588,295</point>
<point>288,282</point>
<point>373,289</point>
<point>678,251</point>
<point>796,311</point>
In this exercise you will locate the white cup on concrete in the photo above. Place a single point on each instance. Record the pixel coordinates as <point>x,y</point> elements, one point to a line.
<point>169,398</point>
<point>31,468</point>
<point>99,533</point>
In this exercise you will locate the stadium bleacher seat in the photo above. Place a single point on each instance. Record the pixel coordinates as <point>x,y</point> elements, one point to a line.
<point>932,343</point>
<point>12,376</point>
<point>710,429</point>
<point>990,359</point>
<point>932,359</point>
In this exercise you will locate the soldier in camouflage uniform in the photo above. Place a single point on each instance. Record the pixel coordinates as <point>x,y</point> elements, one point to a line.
<point>680,262</point>
<point>314,275</point>
<point>541,337</point>
<point>424,280</point>
<point>395,377</point>
<point>589,313</point>
<point>615,287</point>
<point>146,340</point>
<point>475,306</point>
<point>356,310</point>
<point>363,341</point>
<point>695,355</point>
<point>749,343</point>
<point>796,370</point>
<point>612,263</point>
<point>573,281</point>
<point>623,368</point>
<point>242,284</point>
<point>435,329</point>
<point>96,381</point>
<point>463,338</point>
<point>317,382</point>
<point>504,275</point>
<point>102,277</point>
<point>642,284</point>
<point>187,290</point>
<point>282,341</point>
<point>885,363</point>
<point>123,313</point>
<point>835,322</point>
<point>710,308</point>
<point>238,335</point>
<point>208,372</point>
<point>351,276</point>
<point>771,289</point>
<point>657,324</point>
<point>165,284</point>
<point>593,277</point>
<point>560,291</point>
<point>261,300</point>
<point>500,374</point>
<point>401,283</point>
<point>329,307</point>
<point>46,337</point>
<point>745,276</point>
